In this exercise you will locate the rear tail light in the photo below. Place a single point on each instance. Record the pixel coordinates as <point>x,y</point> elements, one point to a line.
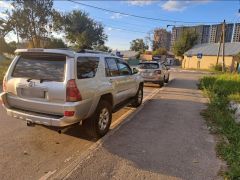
<point>4,84</point>
<point>157,72</point>
<point>69,113</point>
<point>72,93</point>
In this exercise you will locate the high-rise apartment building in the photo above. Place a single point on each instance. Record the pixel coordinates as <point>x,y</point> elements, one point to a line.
<point>209,33</point>
<point>236,33</point>
<point>202,30</point>
<point>216,31</point>
<point>162,39</point>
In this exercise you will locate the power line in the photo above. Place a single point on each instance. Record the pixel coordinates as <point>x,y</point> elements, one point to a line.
<point>123,27</point>
<point>127,30</point>
<point>119,21</point>
<point>142,17</point>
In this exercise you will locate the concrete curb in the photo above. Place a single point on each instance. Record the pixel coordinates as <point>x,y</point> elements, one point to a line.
<point>67,171</point>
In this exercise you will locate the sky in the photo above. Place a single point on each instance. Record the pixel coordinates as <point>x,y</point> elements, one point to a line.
<point>122,29</point>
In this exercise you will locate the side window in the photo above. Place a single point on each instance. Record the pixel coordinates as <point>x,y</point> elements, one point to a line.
<point>111,67</point>
<point>124,69</point>
<point>87,67</point>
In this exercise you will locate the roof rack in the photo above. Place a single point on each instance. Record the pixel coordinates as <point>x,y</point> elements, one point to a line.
<point>94,51</point>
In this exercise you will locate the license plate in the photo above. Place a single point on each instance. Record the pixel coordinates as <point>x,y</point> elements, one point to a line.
<point>32,93</point>
<point>145,74</point>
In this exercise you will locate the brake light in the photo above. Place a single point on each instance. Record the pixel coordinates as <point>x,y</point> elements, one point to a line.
<point>157,72</point>
<point>68,113</point>
<point>4,85</point>
<point>72,93</point>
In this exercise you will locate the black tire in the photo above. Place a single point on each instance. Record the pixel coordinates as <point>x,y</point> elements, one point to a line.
<point>92,125</point>
<point>161,83</point>
<point>166,80</point>
<point>138,97</point>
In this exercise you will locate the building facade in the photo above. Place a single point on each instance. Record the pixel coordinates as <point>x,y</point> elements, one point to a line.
<point>209,58</point>
<point>236,33</point>
<point>162,39</point>
<point>202,30</point>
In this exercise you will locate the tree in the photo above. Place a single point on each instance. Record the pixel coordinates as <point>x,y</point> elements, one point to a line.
<point>102,48</point>
<point>159,51</point>
<point>7,47</point>
<point>81,31</point>
<point>3,45</point>
<point>30,20</point>
<point>53,43</point>
<point>187,41</point>
<point>138,45</point>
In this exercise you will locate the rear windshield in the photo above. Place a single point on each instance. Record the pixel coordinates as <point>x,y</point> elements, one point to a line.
<point>46,68</point>
<point>148,66</point>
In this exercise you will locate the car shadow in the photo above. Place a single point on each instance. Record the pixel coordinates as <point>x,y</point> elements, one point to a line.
<point>76,131</point>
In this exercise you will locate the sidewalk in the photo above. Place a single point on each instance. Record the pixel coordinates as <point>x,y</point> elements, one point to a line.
<point>167,139</point>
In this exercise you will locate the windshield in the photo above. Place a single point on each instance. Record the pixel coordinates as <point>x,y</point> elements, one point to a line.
<point>49,68</point>
<point>148,66</point>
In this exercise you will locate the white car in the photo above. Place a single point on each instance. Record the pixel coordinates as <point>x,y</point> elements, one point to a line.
<point>56,87</point>
<point>154,72</point>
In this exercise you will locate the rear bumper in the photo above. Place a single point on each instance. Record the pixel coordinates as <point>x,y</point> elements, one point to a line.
<point>80,108</point>
<point>154,79</point>
<point>41,119</point>
<point>155,82</point>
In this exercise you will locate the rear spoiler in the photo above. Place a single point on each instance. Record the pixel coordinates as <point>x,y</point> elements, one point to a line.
<point>48,51</point>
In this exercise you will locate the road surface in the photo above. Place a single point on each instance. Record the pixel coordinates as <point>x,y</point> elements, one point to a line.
<point>34,152</point>
<point>31,152</point>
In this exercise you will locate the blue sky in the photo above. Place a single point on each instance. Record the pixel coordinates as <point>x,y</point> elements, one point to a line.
<point>122,29</point>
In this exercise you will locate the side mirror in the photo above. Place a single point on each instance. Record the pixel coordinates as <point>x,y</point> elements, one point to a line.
<point>134,71</point>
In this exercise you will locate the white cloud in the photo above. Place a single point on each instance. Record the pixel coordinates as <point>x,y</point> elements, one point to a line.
<point>5,5</point>
<point>173,5</point>
<point>109,29</point>
<point>117,16</point>
<point>140,2</point>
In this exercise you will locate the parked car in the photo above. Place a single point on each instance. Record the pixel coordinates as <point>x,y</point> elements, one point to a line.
<point>154,72</point>
<point>54,87</point>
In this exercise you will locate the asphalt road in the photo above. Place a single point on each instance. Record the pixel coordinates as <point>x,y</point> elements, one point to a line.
<point>31,152</point>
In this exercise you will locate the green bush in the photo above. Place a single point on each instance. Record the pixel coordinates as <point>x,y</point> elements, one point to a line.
<point>207,82</point>
<point>217,67</point>
<point>221,89</point>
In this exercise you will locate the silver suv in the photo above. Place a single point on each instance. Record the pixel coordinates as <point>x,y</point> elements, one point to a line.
<point>56,87</point>
<point>155,72</point>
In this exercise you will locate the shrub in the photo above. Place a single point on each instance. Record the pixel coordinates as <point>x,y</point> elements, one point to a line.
<point>217,67</point>
<point>221,89</point>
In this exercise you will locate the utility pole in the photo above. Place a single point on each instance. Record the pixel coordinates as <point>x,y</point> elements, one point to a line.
<point>223,48</point>
<point>219,49</point>
<point>222,45</point>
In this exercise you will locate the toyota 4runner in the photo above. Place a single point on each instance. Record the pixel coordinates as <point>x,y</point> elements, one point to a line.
<point>55,87</point>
